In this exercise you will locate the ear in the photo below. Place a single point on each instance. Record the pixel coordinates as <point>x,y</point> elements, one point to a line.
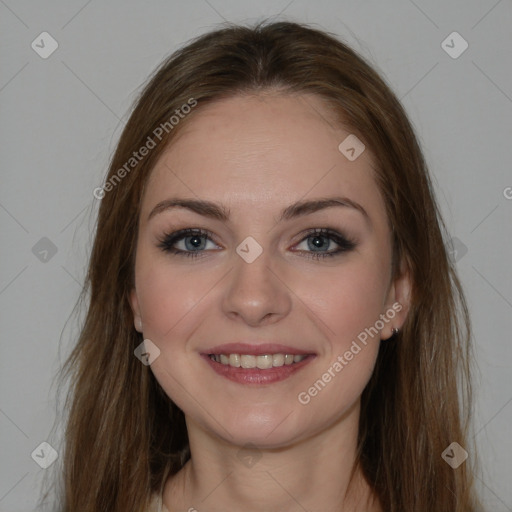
<point>398,301</point>
<point>134,303</point>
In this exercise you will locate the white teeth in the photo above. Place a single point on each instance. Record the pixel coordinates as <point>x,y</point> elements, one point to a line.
<point>263,362</point>
<point>278,360</point>
<point>234,360</point>
<point>248,361</point>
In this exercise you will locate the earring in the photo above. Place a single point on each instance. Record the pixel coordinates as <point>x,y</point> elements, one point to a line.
<point>395,331</point>
<point>139,324</point>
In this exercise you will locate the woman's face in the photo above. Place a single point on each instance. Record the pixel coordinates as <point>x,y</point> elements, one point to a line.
<point>258,276</point>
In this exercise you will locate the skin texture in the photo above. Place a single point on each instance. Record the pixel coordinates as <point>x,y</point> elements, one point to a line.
<point>257,154</point>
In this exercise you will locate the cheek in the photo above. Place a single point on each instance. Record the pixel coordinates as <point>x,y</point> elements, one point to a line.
<point>170,303</point>
<point>348,300</point>
<point>165,295</point>
<point>349,307</point>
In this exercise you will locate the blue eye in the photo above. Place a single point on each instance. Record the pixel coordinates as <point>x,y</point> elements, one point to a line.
<point>196,240</point>
<point>192,248</point>
<point>316,240</point>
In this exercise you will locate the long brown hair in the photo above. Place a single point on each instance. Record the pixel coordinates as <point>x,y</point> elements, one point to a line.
<point>124,435</point>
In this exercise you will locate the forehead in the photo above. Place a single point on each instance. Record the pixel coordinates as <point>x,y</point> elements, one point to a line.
<point>262,151</point>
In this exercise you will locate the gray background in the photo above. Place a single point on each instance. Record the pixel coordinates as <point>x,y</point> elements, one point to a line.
<point>61,117</point>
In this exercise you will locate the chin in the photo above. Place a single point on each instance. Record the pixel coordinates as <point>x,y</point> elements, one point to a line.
<point>263,428</point>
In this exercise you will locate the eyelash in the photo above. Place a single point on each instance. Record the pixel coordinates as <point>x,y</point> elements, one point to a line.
<point>167,242</point>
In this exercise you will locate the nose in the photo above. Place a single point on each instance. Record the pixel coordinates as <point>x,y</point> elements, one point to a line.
<point>256,292</point>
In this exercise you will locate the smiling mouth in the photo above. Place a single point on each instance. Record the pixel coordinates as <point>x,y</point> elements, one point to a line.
<point>257,369</point>
<point>262,362</point>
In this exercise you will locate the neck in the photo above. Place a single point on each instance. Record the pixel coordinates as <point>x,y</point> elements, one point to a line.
<point>311,474</point>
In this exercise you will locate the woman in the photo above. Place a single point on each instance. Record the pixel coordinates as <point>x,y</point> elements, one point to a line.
<point>274,322</point>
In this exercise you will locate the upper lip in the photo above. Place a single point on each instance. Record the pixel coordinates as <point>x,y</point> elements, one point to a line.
<point>255,349</point>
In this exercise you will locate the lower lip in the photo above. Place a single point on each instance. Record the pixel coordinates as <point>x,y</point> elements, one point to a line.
<point>256,375</point>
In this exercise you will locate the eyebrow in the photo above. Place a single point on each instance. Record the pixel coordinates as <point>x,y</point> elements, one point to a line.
<point>220,212</point>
